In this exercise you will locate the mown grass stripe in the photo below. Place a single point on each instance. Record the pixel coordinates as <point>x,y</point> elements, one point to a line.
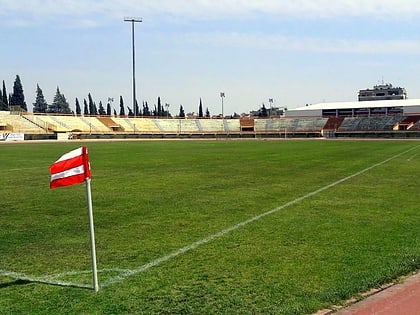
<point>124,273</point>
<point>210,238</point>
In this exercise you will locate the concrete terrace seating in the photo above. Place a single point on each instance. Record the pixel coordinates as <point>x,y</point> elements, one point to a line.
<point>375,123</point>
<point>212,125</point>
<point>178,125</point>
<point>95,125</point>
<point>232,125</point>
<point>18,123</point>
<point>76,123</point>
<point>54,123</point>
<point>125,123</point>
<point>136,125</point>
<point>50,123</point>
<point>408,123</point>
<point>273,124</point>
<point>144,125</point>
<point>290,124</point>
<point>310,124</point>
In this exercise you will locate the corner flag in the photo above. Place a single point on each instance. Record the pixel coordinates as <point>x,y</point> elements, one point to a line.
<point>74,168</point>
<point>71,168</point>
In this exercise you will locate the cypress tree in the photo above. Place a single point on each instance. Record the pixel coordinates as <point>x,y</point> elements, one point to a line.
<point>78,109</point>
<point>85,107</point>
<point>4,95</point>
<point>40,105</point>
<point>3,106</point>
<point>91,105</point>
<point>130,112</point>
<point>122,111</point>
<point>159,108</point>
<point>108,109</point>
<point>181,111</point>
<point>207,113</point>
<point>94,109</point>
<point>200,109</point>
<point>146,111</point>
<point>101,109</point>
<point>138,111</point>
<point>18,98</point>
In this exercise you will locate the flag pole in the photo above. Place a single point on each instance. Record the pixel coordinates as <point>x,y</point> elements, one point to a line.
<point>92,235</point>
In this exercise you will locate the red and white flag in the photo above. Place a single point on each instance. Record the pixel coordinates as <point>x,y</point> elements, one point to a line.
<point>72,168</point>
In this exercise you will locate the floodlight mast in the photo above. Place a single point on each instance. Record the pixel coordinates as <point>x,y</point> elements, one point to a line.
<point>222,96</point>
<point>133,20</point>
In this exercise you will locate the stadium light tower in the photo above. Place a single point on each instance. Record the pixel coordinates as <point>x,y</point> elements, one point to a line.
<point>133,20</point>
<point>222,96</point>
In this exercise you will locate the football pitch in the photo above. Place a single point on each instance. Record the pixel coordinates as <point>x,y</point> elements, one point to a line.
<point>208,227</point>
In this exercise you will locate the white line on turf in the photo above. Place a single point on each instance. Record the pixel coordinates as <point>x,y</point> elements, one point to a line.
<point>210,238</point>
<point>124,273</point>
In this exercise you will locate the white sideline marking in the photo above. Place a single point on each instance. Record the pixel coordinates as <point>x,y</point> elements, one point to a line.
<point>210,238</point>
<point>24,168</point>
<point>124,273</point>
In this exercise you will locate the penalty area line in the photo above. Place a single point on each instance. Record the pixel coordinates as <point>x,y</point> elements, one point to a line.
<point>210,238</point>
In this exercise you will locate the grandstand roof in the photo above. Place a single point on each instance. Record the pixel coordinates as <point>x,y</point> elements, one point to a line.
<point>357,104</point>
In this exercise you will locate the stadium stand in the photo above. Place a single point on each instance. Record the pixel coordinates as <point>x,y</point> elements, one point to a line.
<point>19,123</point>
<point>49,123</point>
<point>145,125</point>
<point>290,124</point>
<point>95,125</point>
<point>232,125</point>
<point>408,123</point>
<point>333,123</point>
<point>375,123</point>
<point>168,126</point>
<point>179,125</point>
<point>247,124</point>
<point>84,127</point>
<point>110,123</point>
<point>212,125</point>
<point>416,126</point>
<point>188,125</point>
<point>310,124</point>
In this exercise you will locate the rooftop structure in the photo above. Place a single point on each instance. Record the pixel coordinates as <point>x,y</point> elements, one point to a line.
<point>382,92</point>
<point>351,109</point>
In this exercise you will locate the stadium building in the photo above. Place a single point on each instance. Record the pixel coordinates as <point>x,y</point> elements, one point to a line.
<point>381,112</point>
<point>403,107</point>
<point>383,99</point>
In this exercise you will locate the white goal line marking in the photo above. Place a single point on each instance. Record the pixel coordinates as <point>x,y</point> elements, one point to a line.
<point>124,273</point>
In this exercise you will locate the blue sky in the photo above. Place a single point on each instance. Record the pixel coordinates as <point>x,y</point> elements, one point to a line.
<point>296,52</point>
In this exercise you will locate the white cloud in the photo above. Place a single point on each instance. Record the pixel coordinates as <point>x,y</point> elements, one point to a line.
<point>209,9</point>
<point>305,44</point>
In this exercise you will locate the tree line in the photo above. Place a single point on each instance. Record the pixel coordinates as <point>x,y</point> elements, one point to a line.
<point>59,105</point>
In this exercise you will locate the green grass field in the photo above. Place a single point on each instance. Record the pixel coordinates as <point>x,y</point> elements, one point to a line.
<point>344,218</point>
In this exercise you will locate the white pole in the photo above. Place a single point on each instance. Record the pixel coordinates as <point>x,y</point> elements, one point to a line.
<point>92,236</point>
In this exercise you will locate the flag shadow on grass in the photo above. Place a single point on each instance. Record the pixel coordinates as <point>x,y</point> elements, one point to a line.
<point>23,279</point>
<point>13,283</point>
<point>39,281</point>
